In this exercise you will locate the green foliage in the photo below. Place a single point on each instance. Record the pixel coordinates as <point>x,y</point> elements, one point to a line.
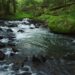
<point>60,24</point>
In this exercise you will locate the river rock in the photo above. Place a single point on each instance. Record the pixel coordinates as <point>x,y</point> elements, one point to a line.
<point>32,26</point>
<point>27,73</point>
<point>37,26</point>
<point>35,59</point>
<point>2,55</point>
<point>43,58</point>
<point>9,30</point>
<point>14,49</point>
<point>39,59</point>
<point>12,54</point>
<point>12,25</point>
<point>69,56</point>
<point>10,35</point>
<point>25,21</point>
<point>1,36</point>
<point>11,43</point>
<point>27,68</point>
<point>41,73</point>
<point>21,30</point>
<point>24,73</point>
<point>1,29</point>
<point>2,45</point>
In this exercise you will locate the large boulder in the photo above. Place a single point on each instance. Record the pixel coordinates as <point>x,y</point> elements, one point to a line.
<point>2,55</point>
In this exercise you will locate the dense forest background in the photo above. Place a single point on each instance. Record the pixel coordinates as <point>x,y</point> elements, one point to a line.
<point>58,14</point>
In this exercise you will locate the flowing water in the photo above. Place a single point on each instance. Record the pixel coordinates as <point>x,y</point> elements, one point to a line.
<point>30,41</point>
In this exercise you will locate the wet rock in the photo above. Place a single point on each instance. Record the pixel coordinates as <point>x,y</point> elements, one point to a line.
<point>2,55</point>
<point>12,25</point>
<point>33,21</point>
<point>10,35</point>
<point>9,53</point>
<point>1,37</point>
<point>32,26</point>
<point>35,59</point>
<point>9,30</point>
<point>39,59</point>
<point>1,29</point>
<point>2,23</point>
<point>21,30</point>
<point>43,58</point>
<point>24,73</point>
<point>38,22</point>
<point>27,68</point>
<point>37,26</point>
<point>2,45</point>
<point>12,54</point>
<point>4,40</point>
<point>52,58</point>
<point>12,39</point>
<point>11,44</point>
<point>27,73</point>
<point>41,73</point>
<point>25,21</point>
<point>14,49</point>
<point>69,56</point>
<point>23,63</point>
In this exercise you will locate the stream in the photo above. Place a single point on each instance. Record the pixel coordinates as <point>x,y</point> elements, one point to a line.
<point>31,49</point>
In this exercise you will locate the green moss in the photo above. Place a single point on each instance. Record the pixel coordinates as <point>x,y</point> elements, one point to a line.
<point>60,24</point>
